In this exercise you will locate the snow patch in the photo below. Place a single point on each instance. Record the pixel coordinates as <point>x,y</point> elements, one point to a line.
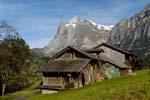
<point>102,27</point>
<point>92,22</point>
<point>75,20</point>
<point>71,24</point>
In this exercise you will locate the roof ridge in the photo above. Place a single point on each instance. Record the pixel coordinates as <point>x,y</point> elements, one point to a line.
<point>76,49</point>
<point>114,47</point>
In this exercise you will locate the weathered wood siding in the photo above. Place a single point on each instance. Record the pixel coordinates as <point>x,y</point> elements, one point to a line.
<point>54,81</point>
<point>124,71</point>
<point>78,81</point>
<point>71,54</point>
<point>97,73</point>
<point>88,73</point>
<point>128,63</point>
<point>92,73</point>
<point>115,55</point>
<point>65,55</point>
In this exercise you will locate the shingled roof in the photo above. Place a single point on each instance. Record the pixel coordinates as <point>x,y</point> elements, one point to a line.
<point>65,65</point>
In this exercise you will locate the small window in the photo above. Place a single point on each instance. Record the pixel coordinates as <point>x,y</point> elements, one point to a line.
<point>126,56</point>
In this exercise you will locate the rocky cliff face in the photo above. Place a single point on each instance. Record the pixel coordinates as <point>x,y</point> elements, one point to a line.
<point>133,34</point>
<point>79,33</point>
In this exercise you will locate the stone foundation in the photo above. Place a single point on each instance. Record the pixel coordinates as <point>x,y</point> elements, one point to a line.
<point>49,91</point>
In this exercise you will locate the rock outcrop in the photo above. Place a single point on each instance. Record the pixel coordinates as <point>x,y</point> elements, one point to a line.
<point>78,33</point>
<point>133,34</point>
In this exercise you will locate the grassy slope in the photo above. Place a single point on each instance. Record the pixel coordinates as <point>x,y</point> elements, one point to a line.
<point>121,88</point>
<point>20,93</point>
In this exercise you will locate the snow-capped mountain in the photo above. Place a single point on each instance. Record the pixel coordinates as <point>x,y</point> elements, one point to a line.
<point>74,21</point>
<point>79,33</point>
<point>130,34</point>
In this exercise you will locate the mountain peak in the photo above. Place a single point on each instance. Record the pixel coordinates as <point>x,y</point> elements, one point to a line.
<point>77,32</point>
<point>75,19</point>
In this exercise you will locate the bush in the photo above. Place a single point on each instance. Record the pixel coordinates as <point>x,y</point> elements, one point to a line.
<point>142,63</point>
<point>69,85</point>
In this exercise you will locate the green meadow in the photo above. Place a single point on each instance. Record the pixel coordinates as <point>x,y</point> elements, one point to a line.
<point>129,87</point>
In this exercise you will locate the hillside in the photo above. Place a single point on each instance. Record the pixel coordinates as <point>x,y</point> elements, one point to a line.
<point>133,87</point>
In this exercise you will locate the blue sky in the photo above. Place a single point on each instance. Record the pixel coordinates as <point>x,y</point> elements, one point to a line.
<point>37,20</point>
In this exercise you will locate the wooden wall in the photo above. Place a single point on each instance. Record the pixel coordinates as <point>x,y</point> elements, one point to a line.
<point>115,55</point>
<point>66,55</point>
<point>77,81</point>
<point>71,54</point>
<point>54,81</point>
<point>91,73</point>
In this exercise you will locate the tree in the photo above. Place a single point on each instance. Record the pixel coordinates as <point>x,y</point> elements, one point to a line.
<point>142,62</point>
<point>4,69</point>
<point>14,60</point>
<point>6,31</point>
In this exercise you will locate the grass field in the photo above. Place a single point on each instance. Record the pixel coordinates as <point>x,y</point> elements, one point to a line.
<point>130,87</point>
<point>20,93</point>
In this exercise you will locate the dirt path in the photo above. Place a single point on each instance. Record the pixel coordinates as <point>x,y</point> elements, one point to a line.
<point>26,95</point>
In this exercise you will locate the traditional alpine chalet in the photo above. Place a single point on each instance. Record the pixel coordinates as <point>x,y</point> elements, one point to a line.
<point>70,65</point>
<point>76,67</point>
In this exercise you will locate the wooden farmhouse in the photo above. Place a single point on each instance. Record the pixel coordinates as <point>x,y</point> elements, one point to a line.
<point>73,67</point>
<point>116,62</point>
<point>70,65</point>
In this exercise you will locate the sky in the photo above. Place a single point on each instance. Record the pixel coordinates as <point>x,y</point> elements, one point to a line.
<point>37,21</point>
